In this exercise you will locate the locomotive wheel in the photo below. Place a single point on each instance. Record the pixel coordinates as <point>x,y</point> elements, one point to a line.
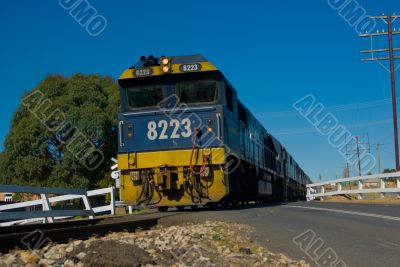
<point>212,206</point>
<point>180,208</point>
<point>162,209</point>
<point>225,205</point>
<point>234,203</point>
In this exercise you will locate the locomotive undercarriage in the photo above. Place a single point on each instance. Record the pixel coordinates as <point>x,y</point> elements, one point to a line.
<point>208,181</point>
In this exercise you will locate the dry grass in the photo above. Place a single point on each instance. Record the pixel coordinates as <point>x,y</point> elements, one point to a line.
<point>367,199</point>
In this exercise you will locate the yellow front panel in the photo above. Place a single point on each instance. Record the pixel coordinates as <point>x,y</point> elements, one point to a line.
<point>143,160</point>
<point>214,186</point>
<point>129,73</point>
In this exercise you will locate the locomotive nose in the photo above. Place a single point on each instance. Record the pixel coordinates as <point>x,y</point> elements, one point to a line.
<point>162,130</point>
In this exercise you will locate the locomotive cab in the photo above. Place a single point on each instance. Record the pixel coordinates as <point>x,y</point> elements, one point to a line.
<point>165,112</point>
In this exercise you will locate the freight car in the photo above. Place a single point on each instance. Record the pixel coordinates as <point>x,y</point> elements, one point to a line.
<point>184,139</point>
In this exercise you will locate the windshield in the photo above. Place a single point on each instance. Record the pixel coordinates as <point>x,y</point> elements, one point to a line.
<point>201,91</point>
<point>142,96</point>
<point>189,89</point>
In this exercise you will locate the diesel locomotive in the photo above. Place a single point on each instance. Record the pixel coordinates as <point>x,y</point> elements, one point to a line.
<point>185,139</point>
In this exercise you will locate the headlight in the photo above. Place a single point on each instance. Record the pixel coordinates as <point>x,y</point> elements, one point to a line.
<point>135,176</point>
<point>165,69</point>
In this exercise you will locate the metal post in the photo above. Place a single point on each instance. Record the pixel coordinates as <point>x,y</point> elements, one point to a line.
<point>46,207</point>
<point>394,105</point>
<point>322,192</point>
<point>382,186</point>
<point>360,187</point>
<point>112,200</point>
<point>87,205</point>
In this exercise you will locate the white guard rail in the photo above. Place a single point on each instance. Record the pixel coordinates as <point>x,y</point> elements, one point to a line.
<point>8,218</point>
<point>320,190</point>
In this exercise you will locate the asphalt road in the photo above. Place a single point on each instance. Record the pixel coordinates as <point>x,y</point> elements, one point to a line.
<point>359,235</point>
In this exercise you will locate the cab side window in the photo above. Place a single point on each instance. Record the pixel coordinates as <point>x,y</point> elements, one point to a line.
<point>229,98</point>
<point>242,114</point>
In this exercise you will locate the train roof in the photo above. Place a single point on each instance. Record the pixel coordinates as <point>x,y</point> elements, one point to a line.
<point>177,65</point>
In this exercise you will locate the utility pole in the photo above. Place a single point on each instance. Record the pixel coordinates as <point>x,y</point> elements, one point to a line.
<point>347,162</point>
<point>378,149</point>
<point>358,154</point>
<point>346,171</point>
<point>365,148</point>
<point>389,19</point>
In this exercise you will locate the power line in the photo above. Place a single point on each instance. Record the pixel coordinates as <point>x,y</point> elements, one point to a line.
<point>313,130</point>
<point>388,152</point>
<point>345,107</point>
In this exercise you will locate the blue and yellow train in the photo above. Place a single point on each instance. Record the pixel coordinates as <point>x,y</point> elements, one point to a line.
<point>185,139</point>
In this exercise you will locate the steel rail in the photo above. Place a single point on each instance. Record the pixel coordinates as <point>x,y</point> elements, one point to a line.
<point>36,236</point>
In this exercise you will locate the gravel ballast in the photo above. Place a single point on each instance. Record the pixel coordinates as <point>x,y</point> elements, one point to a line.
<point>206,244</point>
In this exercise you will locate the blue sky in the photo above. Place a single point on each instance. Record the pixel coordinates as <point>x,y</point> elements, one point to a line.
<point>273,52</point>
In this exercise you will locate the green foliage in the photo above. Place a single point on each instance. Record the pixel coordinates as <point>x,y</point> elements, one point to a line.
<point>393,179</point>
<point>41,150</point>
<point>389,170</point>
<point>216,237</point>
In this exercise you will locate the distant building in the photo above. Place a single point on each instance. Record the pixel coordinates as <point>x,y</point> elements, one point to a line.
<point>373,182</point>
<point>6,197</point>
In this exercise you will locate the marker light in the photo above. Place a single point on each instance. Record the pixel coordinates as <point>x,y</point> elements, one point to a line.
<point>165,64</point>
<point>165,61</point>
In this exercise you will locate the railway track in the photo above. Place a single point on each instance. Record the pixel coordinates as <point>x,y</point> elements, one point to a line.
<point>34,236</point>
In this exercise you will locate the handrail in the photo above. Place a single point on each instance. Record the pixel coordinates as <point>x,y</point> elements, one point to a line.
<point>356,178</point>
<point>318,190</point>
<point>41,190</point>
<point>48,214</point>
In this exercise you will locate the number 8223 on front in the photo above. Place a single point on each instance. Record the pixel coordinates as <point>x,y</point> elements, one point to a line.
<point>177,129</point>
